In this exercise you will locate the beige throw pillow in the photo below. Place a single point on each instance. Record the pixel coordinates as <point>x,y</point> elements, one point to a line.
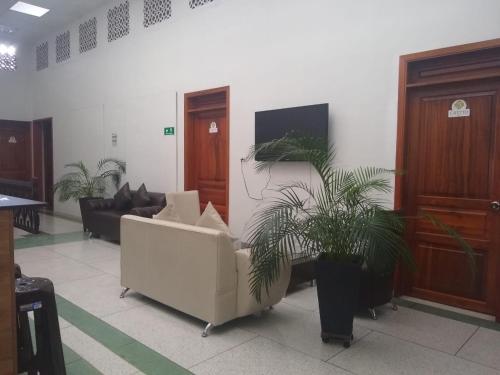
<point>168,214</point>
<point>211,219</point>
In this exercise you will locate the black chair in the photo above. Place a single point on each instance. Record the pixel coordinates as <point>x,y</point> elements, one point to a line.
<point>37,295</point>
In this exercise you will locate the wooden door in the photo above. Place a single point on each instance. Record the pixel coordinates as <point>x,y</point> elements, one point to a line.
<point>15,150</point>
<point>454,175</point>
<point>449,147</point>
<point>206,131</point>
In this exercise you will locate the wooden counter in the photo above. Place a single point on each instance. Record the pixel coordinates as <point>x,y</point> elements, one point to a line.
<point>8,349</point>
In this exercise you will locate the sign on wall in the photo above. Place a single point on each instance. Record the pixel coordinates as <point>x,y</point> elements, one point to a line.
<point>169,131</point>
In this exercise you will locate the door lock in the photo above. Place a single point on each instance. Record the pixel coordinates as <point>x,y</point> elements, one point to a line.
<point>495,205</point>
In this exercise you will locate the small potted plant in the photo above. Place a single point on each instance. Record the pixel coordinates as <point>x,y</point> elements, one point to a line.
<point>80,185</point>
<point>341,221</point>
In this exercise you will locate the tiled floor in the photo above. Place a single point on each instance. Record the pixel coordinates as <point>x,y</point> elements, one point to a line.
<point>117,336</point>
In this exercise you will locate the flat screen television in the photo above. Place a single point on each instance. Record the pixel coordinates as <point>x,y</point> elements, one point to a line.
<point>307,121</point>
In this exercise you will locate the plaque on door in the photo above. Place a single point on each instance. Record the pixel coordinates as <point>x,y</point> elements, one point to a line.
<point>459,109</point>
<point>213,128</point>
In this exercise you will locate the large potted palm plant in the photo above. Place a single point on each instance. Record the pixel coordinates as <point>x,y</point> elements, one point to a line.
<point>342,221</point>
<point>81,185</point>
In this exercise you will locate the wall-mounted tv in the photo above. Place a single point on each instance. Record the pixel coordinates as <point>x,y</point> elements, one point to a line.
<point>307,121</point>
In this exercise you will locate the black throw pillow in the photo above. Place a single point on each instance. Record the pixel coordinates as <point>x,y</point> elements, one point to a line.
<point>123,198</point>
<point>141,198</point>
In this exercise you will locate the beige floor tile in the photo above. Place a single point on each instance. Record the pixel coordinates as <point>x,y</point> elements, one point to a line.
<point>56,225</point>
<point>100,295</point>
<point>296,328</point>
<point>379,354</point>
<point>262,356</point>
<point>425,329</point>
<point>38,254</point>
<point>59,270</point>
<point>175,335</point>
<point>483,347</point>
<point>304,297</point>
<point>109,266</point>
<point>87,252</point>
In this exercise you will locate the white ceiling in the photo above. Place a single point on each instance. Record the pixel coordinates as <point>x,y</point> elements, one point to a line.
<point>27,29</point>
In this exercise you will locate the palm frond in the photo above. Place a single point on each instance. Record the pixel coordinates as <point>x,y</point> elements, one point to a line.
<point>313,150</point>
<point>344,216</point>
<point>80,183</point>
<point>115,169</point>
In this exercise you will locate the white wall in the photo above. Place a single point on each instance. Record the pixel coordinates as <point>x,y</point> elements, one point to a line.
<point>273,53</point>
<point>15,94</point>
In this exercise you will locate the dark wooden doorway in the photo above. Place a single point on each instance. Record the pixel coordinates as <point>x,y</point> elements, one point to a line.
<point>206,147</point>
<point>15,150</point>
<point>449,146</point>
<point>43,161</point>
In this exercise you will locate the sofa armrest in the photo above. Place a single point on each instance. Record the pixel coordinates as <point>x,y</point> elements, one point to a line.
<point>145,211</point>
<point>247,303</point>
<point>101,204</point>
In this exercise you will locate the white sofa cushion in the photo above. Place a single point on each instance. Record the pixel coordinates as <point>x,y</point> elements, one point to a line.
<point>187,205</point>
<point>168,213</point>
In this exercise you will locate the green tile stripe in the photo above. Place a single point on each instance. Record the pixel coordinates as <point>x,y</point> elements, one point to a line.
<point>464,318</point>
<point>81,367</point>
<point>48,239</point>
<point>137,354</point>
<point>75,365</point>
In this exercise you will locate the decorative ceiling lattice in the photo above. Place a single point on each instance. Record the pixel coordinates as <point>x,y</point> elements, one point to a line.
<point>196,3</point>
<point>118,21</point>
<point>42,56</point>
<point>156,11</point>
<point>63,47</point>
<point>8,63</point>
<point>88,35</point>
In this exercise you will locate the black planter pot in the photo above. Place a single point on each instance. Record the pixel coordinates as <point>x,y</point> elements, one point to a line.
<point>375,290</point>
<point>338,295</point>
<point>84,211</point>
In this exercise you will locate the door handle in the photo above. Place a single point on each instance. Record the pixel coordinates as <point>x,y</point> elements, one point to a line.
<point>495,205</point>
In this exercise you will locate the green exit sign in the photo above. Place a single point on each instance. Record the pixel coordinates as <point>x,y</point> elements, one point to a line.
<point>169,131</point>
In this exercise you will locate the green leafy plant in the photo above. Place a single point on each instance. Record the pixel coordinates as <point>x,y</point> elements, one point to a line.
<point>81,184</point>
<point>342,217</point>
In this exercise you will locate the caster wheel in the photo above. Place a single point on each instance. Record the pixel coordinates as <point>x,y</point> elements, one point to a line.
<point>326,340</point>
<point>395,307</point>
<point>347,344</point>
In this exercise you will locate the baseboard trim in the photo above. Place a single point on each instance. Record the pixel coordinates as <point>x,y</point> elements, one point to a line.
<point>446,313</point>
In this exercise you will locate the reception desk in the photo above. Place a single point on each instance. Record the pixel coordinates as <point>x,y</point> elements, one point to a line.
<point>8,350</point>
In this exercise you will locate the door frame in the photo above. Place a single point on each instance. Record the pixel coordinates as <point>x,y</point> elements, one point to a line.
<point>406,84</point>
<point>39,131</point>
<point>188,134</point>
